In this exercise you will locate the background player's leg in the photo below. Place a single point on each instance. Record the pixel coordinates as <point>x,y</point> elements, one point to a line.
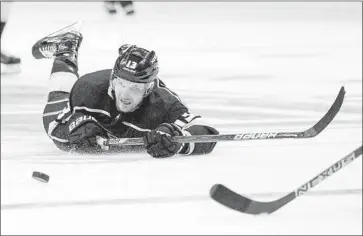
<point>110,7</point>
<point>128,7</point>
<point>9,63</point>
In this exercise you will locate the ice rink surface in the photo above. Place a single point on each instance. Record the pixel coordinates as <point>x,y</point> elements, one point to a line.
<point>244,67</point>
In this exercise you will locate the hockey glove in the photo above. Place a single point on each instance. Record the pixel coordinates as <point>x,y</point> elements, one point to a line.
<point>158,141</point>
<point>83,131</point>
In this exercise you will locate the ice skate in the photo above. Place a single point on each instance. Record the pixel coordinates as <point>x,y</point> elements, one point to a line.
<point>65,42</point>
<point>129,9</point>
<point>110,7</point>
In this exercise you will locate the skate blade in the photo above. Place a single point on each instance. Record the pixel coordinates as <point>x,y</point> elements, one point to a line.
<point>75,27</point>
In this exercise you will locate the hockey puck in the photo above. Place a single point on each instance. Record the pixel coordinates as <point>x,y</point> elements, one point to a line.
<point>40,176</point>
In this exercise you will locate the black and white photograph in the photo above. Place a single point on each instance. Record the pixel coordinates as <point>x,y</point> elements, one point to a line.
<point>181,118</point>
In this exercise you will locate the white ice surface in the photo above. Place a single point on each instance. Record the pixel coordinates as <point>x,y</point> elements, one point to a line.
<point>244,67</point>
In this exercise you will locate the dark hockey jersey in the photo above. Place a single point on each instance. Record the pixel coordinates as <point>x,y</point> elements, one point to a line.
<point>92,95</point>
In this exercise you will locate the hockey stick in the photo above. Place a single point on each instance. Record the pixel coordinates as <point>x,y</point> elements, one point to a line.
<point>309,133</point>
<point>233,200</point>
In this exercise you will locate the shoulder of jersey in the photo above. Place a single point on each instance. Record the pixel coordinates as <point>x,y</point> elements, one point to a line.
<point>163,94</point>
<point>97,77</point>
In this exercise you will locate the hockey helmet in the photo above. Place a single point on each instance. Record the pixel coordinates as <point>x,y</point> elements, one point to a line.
<point>136,64</point>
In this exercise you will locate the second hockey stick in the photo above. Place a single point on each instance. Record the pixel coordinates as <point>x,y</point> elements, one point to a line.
<point>309,133</point>
<point>235,201</point>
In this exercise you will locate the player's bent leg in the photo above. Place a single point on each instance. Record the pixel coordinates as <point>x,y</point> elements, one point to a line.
<point>63,46</point>
<point>57,109</point>
<point>61,81</point>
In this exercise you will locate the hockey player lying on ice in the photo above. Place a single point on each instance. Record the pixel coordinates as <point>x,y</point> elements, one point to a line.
<point>124,102</point>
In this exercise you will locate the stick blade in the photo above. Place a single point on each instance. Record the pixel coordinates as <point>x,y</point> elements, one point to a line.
<point>235,201</point>
<point>328,117</point>
<point>228,198</point>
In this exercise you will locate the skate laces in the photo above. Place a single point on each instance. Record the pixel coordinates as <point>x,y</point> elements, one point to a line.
<point>72,43</point>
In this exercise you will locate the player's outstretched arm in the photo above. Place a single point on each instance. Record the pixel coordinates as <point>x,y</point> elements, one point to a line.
<point>199,128</point>
<point>159,142</point>
<point>194,125</point>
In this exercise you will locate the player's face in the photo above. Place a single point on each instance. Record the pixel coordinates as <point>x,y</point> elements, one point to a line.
<point>128,94</point>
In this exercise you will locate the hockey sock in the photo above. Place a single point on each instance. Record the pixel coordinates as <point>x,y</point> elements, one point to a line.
<point>63,75</point>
